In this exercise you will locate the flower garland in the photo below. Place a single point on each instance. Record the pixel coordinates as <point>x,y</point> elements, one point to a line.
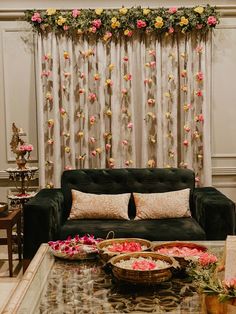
<point>127,21</point>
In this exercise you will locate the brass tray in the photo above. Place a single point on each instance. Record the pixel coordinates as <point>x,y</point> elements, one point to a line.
<point>183,261</point>
<point>147,277</point>
<point>106,255</point>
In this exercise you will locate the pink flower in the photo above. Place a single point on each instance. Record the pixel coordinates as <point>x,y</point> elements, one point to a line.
<point>66,27</point>
<point>199,93</point>
<point>75,13</point>
<point>81,91</point>
<point>199,76</point>
<point>92,139</point>
<point>199,118</point>
<point>92,120</point>
<point>92,29</point>
<point>171,30</point>
<point>197,179</point>
<point>125,142</point>
<point>45,73</point>
<point>36,17</point>
<point>50,141</point>
<point>93,153</point>
<point>126,59</point>
<point>97,23</point>
<point>186,128</point>
<point>185,142</point>
<point>152,64</point>
<point>130,125</point>
<point>124,91</point>
<point>151,102</point>
<point>62,111</point>
<point>172,10</point>
<point>230,283</point>
<point>108,147</point>
<point>211,20</point>
<point>143,265</point>
<point>206,259</point>
<point>141,24</point>
<point>128,77</point>
<point>92,97</point>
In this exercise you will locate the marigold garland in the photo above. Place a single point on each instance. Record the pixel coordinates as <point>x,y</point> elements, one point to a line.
<point>124,21</point>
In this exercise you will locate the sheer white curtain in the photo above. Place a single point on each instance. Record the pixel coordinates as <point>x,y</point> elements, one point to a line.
<point>141,102</point>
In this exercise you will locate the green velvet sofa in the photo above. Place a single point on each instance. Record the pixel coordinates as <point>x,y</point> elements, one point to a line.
<point>46,215</point>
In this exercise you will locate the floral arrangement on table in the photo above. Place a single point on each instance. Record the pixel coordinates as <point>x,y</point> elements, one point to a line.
<point>142,263</point>
<point>19,147</point>
<point>126,247</point>
<point>205,271</point>
<point>75,248</point>
<point>107,23</point>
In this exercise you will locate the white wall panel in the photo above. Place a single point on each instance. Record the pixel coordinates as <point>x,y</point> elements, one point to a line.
<point>19,85</point>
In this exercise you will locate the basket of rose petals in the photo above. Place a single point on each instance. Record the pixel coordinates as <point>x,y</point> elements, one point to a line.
<point>142,267</point>
<point>183,252</point>
<point>113,247</point>
<point>77,248</point>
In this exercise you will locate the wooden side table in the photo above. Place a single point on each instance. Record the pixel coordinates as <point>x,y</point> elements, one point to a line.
<point>7,223</point>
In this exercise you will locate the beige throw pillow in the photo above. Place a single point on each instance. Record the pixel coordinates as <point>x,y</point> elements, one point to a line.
<point>162,205</point>
<point>99,206</point>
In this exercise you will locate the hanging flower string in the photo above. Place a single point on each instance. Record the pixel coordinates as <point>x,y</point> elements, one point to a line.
<point>126,21</point>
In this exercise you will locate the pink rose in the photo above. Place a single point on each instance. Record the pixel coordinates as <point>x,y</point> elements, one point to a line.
<point>92,120</point>
<point>66,27</point>
<point>124,91</point>
<point>108,147</point>
<point>172,10</point>
<point>211,20</point>
<point>125,142</point>
<point>92,97</point>
<point>206,259</point>
<point>185,142</point>
<point>199,93</point>
<point>171,30</point>
<point>36,17</point>
<point>93,153</point>
<point>130,125</point>
<point>97,23</point>
<point>75,13</point>
<point>141,24</point>
<point>199,76</point>
<point>126,58</point>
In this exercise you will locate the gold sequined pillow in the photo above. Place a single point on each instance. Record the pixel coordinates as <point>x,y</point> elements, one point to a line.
<point>99,206</point>
<point>162,205</point>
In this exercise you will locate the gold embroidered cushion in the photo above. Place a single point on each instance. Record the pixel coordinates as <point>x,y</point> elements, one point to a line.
<point>99,206</point>
<point>162,205</point>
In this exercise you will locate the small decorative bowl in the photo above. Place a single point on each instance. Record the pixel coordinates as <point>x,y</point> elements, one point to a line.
<point>87,252</point>
<point>183,260</point>
<point>105,254</point>
<point>147,277</point>
<point>3,209</point>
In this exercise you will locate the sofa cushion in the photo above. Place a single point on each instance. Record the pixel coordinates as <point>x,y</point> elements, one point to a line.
<point>99,206</point>
<point>162,229</point>
<point>117,181</point>
<point>162,205</point>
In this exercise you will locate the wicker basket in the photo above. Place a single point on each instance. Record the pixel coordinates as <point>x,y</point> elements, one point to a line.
<point>93,253</point>
<point>147,277</point>
<point>106,255</point>
<point>183,261</point>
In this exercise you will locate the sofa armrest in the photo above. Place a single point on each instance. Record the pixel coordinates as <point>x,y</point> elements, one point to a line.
<point>42,219</point>
<point>214,212</point>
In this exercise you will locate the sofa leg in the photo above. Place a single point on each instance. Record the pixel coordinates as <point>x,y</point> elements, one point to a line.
<point>26,263</point>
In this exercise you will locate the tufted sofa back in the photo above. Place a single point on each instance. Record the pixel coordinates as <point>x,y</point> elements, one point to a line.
<point>116,181</point>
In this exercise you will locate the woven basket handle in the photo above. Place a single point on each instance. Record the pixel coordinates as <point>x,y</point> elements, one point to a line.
<point>110,235</point>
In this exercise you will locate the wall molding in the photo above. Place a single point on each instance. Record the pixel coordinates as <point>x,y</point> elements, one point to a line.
<point>223,171</point>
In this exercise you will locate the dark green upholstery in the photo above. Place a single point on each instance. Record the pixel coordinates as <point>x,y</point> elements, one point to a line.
<point>45,216</point>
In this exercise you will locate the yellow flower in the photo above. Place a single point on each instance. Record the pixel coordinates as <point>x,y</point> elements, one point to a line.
<point>146,11</point>
<point>61,20</point>
<point>183,21</point>
<point>126,32</point>
<point>67,149</point>
<point>199,10</point>
<point>159,22</point>
<point>111,67</point>
<point>51,11</point>
<point>123,10</point>
<point>114,19</point>
<point>98,11</point>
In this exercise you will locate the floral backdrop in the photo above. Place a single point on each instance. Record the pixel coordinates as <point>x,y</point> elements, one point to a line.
<point>123,88</point>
